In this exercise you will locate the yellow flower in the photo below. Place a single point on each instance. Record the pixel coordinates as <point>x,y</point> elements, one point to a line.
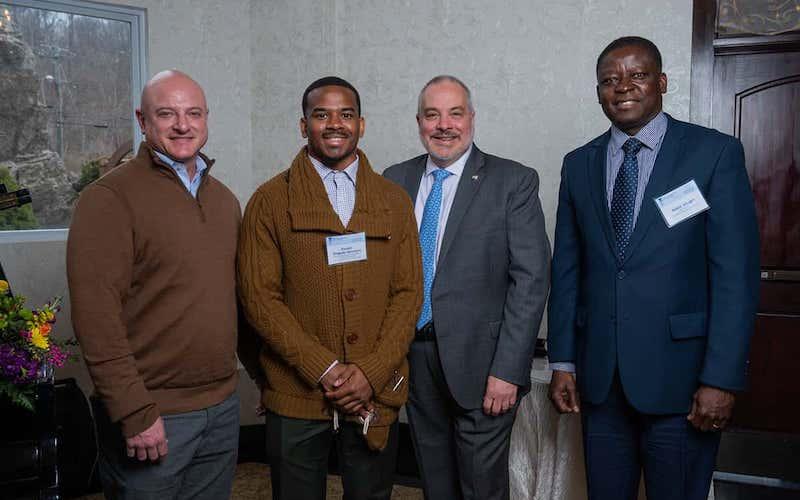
<point>3,286</point>
<point>38,339</point>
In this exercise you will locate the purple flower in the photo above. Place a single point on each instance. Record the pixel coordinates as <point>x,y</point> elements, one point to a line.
<point>17,366</point>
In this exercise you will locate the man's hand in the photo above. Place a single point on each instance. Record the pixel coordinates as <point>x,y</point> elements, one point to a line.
<point>564,393</point>
<point>149,444</point>
<point>500,396</point>
<point>334,378</point>
<point>353,393</point>
<point>711,408</point>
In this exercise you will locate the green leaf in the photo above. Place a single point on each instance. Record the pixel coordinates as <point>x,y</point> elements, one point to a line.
<point>22,396</point>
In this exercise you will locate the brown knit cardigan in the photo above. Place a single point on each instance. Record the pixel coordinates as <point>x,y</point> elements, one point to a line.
<point>310,313</point>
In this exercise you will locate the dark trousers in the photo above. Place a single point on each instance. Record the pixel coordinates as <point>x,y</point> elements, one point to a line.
<point>619,442</point>
<point>200,463</point>
<point>298,452</point>
<point>462,453</point>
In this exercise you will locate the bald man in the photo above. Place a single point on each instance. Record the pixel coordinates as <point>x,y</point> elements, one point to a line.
<point>151,262</point>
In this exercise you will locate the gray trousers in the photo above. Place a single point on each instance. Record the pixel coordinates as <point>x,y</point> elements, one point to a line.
<point>200,463</point>
<point>462,453</point>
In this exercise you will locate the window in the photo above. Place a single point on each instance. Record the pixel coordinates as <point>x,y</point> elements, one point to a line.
<point>71,76</point>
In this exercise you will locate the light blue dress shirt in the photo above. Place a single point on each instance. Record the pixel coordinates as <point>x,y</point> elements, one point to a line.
<point>191,185</point>
<point>348,187</point>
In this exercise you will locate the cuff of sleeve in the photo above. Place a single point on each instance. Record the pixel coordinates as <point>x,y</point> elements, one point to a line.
<point>131,406</point>
<point>139,421</point>
<point>335,362</point>
<point>375,370</point>
<point>313,363</point>
<point>562,367</point>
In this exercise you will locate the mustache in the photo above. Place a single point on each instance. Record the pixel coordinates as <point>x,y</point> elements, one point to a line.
<point>329,135</point>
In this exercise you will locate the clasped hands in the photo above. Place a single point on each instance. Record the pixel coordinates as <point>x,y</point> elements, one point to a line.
<point>348,389</point>
<point>711,407</point>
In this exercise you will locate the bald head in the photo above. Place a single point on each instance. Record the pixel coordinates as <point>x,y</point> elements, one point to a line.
<point>170,78</point>
<point>173,116</point>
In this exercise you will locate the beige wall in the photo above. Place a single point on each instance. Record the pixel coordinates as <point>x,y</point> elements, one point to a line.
<point>530,64</point>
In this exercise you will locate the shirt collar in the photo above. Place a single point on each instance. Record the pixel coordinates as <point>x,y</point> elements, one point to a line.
<point>456,168</point>
<point>351,171</point>
<point>649,135</point>
<point>177,166</point>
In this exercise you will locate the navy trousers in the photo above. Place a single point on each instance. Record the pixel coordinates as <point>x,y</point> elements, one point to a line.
<point>619,442</point>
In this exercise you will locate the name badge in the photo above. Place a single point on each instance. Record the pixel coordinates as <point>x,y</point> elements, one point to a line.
<point>346,248</point>
<point>681,203</point>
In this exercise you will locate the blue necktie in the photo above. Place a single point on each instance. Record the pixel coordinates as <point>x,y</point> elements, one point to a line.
<point>623,199</point>
<point>428,231</point>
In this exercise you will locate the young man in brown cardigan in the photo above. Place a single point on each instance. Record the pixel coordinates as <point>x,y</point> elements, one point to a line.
<point>330,278</point>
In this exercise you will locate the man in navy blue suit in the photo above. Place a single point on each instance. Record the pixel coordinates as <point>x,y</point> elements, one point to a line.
<point>654,287</point>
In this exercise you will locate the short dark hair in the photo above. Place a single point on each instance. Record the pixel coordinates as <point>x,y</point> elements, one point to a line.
<point>627,41</point>
<point>328,81</point>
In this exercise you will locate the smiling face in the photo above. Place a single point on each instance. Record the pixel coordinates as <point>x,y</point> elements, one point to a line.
<point>174,116</point>
<point>629,87</point>
<point>332,126</point>
<point>446,122</point>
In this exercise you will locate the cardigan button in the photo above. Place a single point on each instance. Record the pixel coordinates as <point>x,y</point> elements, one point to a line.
<point>350,294</point>
<point>352,338</point>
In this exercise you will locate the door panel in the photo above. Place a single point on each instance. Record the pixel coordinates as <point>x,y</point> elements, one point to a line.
<point>770,133</point>
<point>756,97</point>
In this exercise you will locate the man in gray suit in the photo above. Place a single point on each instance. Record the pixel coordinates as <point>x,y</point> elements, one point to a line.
<point>486,264</point>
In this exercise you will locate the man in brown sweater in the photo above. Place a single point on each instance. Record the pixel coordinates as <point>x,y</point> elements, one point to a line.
<point>151,260</point>
<point>329,274</point>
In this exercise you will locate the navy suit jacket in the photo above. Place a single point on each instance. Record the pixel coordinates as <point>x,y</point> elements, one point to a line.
<point>678,311</point>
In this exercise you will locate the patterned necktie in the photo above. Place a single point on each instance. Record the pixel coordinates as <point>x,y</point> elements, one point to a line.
<point>623,199</point>
<point>428,232</point>
<point>345,196</point>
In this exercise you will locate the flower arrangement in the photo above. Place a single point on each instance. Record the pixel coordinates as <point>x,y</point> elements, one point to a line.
<point>27,353</point>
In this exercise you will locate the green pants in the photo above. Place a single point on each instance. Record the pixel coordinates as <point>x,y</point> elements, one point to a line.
<point>298,453</point>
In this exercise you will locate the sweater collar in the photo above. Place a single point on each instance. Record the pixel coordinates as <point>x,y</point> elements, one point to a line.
<point>148,154</point>
<point>311,210</point>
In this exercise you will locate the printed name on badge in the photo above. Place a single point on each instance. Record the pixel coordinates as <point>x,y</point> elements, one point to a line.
<point>681,203</point>
<point>346,248</point>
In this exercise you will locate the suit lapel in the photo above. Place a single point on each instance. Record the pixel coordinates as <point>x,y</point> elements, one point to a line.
<point>414,177</point>
<point>596,166</point>
<point>465,191</point>
<point>657,184</point>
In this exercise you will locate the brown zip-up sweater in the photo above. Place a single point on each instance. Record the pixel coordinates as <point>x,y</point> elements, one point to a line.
<point>310,313</point>
<point>151,275</point>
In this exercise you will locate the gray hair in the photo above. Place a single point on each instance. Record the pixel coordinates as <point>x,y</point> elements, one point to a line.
<point>445,78</point>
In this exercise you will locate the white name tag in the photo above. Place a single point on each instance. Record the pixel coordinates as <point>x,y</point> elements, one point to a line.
<point>681,203</point>
<point>346,248</point>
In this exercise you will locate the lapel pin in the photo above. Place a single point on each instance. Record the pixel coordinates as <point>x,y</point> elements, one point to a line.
<point>474,177</point>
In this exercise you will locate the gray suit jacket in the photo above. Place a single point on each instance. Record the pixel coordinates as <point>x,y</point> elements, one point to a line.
<point>492,275</point>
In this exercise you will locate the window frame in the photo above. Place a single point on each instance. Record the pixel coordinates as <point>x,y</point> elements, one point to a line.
<point>137,18</point>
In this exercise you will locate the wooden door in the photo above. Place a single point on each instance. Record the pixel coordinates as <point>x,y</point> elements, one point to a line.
<point>755,96</point>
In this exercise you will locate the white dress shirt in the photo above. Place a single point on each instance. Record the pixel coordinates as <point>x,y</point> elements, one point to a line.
<point>449,186</point>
